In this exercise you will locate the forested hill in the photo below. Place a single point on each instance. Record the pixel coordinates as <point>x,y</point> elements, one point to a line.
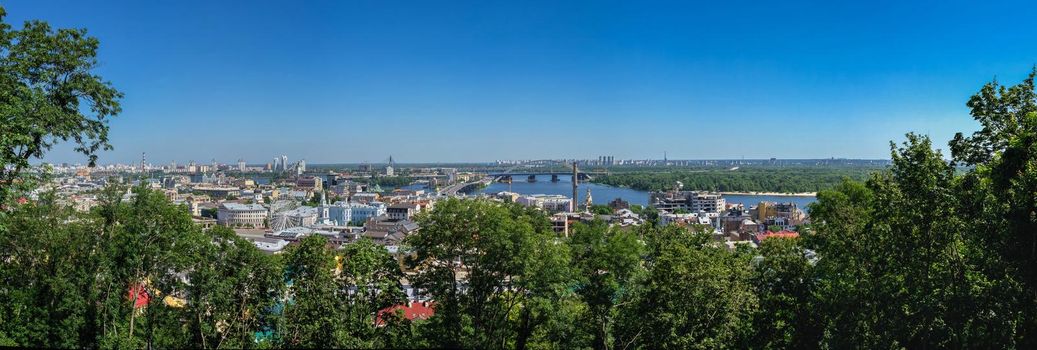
<point>769,179</point>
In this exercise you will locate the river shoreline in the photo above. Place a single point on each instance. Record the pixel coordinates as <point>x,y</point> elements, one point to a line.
<point>747,193</point>
<point>773,194</point>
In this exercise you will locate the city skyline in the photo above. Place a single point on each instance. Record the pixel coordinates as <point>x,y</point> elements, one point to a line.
<point>276,164</point>
<point>349,82</point>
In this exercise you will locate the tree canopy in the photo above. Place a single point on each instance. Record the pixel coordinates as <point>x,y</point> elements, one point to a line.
<point>49,94</point>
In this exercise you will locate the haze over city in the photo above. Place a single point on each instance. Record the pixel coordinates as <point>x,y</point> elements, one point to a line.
<point>339,82</point>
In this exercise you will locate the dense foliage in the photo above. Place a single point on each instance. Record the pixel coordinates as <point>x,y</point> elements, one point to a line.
<point>769,179</point>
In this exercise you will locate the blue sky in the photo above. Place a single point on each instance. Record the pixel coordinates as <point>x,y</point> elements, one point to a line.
<point>347,81</point>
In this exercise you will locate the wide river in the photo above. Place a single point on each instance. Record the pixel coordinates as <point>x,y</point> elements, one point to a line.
<point>602,194</point>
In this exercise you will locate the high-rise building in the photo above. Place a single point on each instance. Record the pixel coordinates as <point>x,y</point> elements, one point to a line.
<point>284,163</point>
<point>241,165</point>
<point>302,166</point>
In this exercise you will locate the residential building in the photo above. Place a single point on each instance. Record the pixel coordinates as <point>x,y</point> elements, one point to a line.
<point>364,197</point>
<point>788,215</point>
<point>403,210</point>
<point>707,203</point>
<point>309,183</point>
<point>683,219</point>
<point>690,201</point>
<point>619,203</point>
<point>552,203</point>
<point>387,231</point>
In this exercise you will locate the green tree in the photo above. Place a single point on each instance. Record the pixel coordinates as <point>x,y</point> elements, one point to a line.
<point>314,310</point>
<point>696,294</point>
<point>233,287</point>
<point>49,95</point>
<point>997,193</point>
<point>784,282</point>
<point>48,263</point>
<point>608,261</point>
<point>152,244</point>
<point>369,281</point>
<point>600,209</point>
<point>899,269</point>
<point>497,272</point>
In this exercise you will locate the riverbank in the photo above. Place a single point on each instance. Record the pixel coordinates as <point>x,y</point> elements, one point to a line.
<point>772,194</point>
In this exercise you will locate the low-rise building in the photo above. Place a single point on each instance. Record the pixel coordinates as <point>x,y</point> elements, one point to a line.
<point>241,215</point>
<point>683,219</point>
<point>386,231</point>
<point>552,203</point>
<point>309,183</point>
<point>346,213</point>
<point>364,197</point>
<point>619,203</point>
<point>403,211</point>
<point>787,215</point>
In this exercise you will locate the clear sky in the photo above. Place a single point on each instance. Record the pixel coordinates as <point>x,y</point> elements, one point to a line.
<point>424,81</point>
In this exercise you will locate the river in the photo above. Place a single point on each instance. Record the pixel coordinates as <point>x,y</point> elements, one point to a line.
<point>602,194</point>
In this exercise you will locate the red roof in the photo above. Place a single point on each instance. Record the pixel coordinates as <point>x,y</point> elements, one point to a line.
<point>782,234</point>
<point>141,294</point>
<point>411,311</point>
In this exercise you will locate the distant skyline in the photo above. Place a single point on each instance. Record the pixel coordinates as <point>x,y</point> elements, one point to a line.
<point>474,81</point>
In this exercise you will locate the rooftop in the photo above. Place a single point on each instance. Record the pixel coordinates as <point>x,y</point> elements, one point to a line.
<point>242,207</point>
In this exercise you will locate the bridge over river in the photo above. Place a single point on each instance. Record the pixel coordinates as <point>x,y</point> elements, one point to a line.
<point>507,175</point>
<point>469,186</point>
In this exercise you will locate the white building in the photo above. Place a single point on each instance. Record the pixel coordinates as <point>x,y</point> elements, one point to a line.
<point>683,219</point>
<point>236,214</point>
<point>707,202</point>
<point>550,202</point>
<point>691,201</point>
<point>344,213</point>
